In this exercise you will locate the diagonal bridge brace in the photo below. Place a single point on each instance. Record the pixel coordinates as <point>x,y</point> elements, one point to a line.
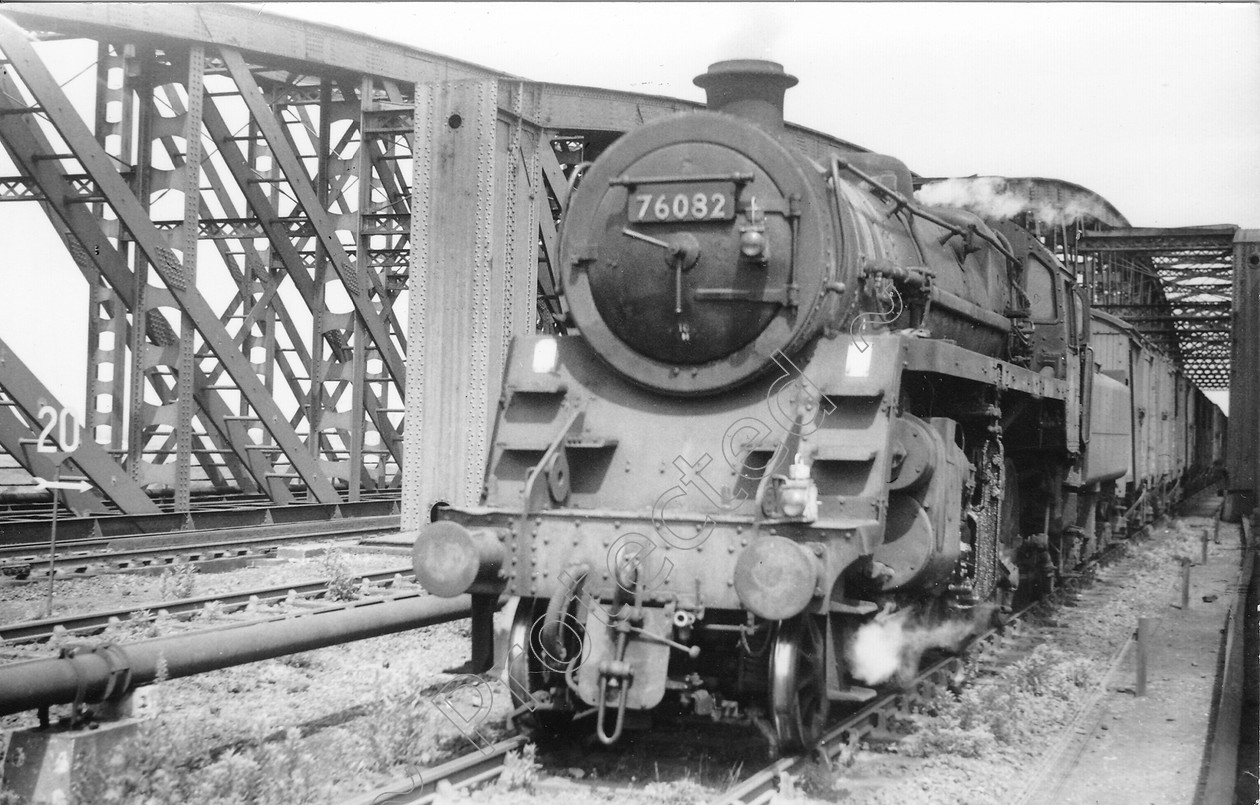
<point>132,215</point>
<point>291,166</point>
<point>32,398</point>
<point>88,244</point>
<point>274,228</point>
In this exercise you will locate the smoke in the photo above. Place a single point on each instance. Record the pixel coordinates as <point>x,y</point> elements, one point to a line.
<point>753,36</point>
<point>997,197</point>
<point>892,644</point>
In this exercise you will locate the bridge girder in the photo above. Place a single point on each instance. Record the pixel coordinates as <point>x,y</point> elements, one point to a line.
<point>1175,285</point>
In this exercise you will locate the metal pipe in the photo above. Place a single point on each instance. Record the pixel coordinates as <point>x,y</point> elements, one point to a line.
<point>969,310</point>
<point>838,164</point>
<point>94,676</point>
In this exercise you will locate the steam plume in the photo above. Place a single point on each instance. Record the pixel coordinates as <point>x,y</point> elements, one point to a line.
<point>892,644</point>
<point>997,197</point>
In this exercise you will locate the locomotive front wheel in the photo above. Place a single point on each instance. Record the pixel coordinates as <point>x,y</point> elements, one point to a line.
<point>536,673</point>
<point>798,683</point>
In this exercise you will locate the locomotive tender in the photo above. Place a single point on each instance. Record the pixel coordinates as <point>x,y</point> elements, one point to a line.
<point>795,397</point>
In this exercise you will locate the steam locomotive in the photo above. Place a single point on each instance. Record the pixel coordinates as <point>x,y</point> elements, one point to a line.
<point>794,398</point>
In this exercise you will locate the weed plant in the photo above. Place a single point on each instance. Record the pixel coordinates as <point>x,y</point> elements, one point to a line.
<point>1043,689</point>
<point>342,583</point>
<point>405,723</point>
<point>171,758</point>
<point>679,792</point>
<point>159,764</point>
<point>178,583</point>
<point>1024,699</point>
<point>211,611</point>
<point>520,771</point>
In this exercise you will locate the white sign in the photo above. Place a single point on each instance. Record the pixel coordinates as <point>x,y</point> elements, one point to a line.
<point>79,485</point>
<point>67,431</point>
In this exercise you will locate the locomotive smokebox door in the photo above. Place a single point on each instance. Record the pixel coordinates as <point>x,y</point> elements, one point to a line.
<point>698,247</point>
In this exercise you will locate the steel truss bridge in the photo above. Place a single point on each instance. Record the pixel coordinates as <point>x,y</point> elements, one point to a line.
<point>307,251</point>
<point>1175,286</point>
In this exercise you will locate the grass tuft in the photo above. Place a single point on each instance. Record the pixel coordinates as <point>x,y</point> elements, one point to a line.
<point>343,585</point>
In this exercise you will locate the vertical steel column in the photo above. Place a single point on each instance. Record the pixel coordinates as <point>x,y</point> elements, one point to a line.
<point>452,244</point>
<point>1243,455</point>
<point>387,136</point>
<point>137,418</point>
<point>255,148</point>
<point>508,187</point>
<point>354,479</point>
<point>106,314</point>
<point>319,305</point>
<point>520,255</point>
<point>192,208</point>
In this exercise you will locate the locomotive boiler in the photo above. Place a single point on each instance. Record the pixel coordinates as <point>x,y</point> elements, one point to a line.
<point>791,397</point>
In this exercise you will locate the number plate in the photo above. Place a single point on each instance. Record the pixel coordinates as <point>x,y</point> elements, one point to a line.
<point>670,203</point>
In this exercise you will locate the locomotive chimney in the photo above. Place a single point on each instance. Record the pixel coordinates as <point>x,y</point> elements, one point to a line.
<point>750,88</point>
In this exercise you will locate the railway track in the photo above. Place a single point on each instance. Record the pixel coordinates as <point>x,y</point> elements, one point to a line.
<point>869,722</point>
<point>1071,741</point>
<point>87,624</point>
<point>873,721</point>
<point>23,504</point>
<point>995,649</point>
<point>475,768</point>
<point>80,556</point>
<point>228,512</point>
<point>484,765</point>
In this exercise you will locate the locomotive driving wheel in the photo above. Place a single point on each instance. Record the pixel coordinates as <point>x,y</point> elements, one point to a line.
<point>798,683</point>
<point>536,673</point>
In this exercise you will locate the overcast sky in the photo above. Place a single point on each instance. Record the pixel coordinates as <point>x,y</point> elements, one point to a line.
<point>1153,106</point>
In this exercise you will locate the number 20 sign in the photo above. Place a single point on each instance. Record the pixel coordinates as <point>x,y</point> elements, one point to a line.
<point>67,431</point>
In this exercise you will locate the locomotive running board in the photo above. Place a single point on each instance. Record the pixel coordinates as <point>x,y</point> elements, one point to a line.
<point>938,357</point>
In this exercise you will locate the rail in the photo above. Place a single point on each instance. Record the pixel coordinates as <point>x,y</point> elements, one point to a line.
<point>80,625</point>
<point>221,514</point>
<point>762,786</point>
<point>476,767</point>
<point>86,552</point>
